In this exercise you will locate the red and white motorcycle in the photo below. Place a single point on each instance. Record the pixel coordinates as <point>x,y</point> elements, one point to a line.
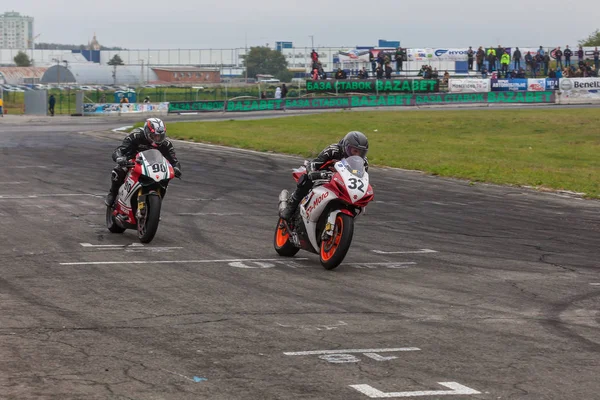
<point>324,221</point>
<point>139,200</point>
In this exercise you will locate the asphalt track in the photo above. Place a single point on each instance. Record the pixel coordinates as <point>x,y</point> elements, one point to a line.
<point>450,290</point>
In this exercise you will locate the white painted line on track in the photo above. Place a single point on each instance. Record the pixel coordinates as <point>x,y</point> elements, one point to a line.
<point>209,214</point>
<point>175,261</point>
<point>457,389</point>
<point>595,284</point>
<point>111,245</point>
<point>12,183</point>
<point>122,128</point>
<point>349,351</point>
<point>36,196</point>
<point>422,251</point>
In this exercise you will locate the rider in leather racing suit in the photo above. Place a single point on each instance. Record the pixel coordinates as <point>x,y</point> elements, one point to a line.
<point>152,136</point>
<point>353,144</point>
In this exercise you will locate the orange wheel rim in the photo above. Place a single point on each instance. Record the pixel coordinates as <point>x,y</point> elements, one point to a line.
<point>329,247</point>
<point>282,235</point>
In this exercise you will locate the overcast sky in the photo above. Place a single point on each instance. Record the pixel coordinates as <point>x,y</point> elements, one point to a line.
<point>226,23</point>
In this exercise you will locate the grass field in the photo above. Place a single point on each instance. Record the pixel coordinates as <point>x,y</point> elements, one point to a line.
<point>553,149</point>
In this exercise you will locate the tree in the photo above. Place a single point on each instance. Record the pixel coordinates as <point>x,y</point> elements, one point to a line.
<point>263,60</point>
<point>592,40</point>
<point>116,60</point>
<point>22,60</point>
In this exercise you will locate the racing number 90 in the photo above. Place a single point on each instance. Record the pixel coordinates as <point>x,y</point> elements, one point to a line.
<point>356,183</point>
<point>159,168</point>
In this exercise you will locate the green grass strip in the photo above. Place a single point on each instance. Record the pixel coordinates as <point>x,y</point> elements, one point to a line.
<point>545,148</point>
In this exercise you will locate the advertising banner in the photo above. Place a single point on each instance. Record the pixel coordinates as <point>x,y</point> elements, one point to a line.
<point>469,85</point>
<point>505,85</point>
<point>419,55</point>
<point>196,106</point>
<point>364,100</point>
<point>567,84</point>
<point>551,83</point>
<point>116,108</point>
<point>536,85</point>
<point>353,55</point>
<point>374,86</point>
<point>455,54</point>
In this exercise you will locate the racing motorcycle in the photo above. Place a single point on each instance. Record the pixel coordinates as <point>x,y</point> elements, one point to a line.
<point>138,202</point>
<point>324,221</point>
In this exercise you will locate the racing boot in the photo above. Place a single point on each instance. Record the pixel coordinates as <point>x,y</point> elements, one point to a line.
<point>112,194</point>
<point>292,204</point>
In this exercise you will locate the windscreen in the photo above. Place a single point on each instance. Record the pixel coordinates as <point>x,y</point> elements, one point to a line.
<point>153,156</point>
<point>356,165</point>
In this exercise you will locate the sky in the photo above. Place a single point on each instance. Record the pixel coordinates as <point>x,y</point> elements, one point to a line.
<point>200,24</point>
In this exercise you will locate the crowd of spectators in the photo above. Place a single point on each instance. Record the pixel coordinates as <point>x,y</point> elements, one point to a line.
<point>493,62</point>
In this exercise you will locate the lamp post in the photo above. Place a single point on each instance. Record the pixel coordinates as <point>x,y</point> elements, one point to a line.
<point>312,41</point>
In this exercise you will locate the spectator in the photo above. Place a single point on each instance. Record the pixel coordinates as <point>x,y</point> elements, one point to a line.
<point>446,78</point>
<point>284,91</point>
<point>528,61</point>
<point>499,52</point>
<point>552,73</point>
<point>470,55</point>
<point>315,74</point>
<point>314,56</point>
<point>546,60</point>
<point>124,100</point>
<point>278,93</point>
<point>484,72</point>
<point>51,104</point>
<point>558,55</point>
<point>505,62</point>
<point>380,59</point>
<point>363,73</point>
<point>491,54</point>
<point>539,62</point>
<point>568,53</point>
<point>103,98</point>
<point>388,70</point>
<point>147,99</point>
<point>480,57</point>
<point>372,60</point>
<point>517,58</point>
<point>559,73</point>
<point>580,53</point>
<point>435,74</point>
<point>399,58</point>
<point>541,51</point>
<point>263,95</point>
<point>1,105</point>
<point>339,74</point>
<point>521,73</point>
<point>596,58</point>
<point>379,72</point>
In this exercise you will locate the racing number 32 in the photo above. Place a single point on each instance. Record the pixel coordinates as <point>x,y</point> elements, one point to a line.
<point>356,183</point>
<point>159,168</point>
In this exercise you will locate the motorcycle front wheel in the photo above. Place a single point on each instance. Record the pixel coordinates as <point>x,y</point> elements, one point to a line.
<point>334,249</point>
<point>283,246</point>
<point>149,225</point>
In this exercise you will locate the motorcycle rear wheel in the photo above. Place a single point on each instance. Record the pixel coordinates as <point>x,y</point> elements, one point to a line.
<point>148,228</point>
<point>336,247</point>
<point>283,246</point>
<point>111,224</point>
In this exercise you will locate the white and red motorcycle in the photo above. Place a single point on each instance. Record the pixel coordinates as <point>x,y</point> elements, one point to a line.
<point>139,200</point>
<point>324,221</point>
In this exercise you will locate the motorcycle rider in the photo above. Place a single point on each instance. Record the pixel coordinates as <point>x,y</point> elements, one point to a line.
<point>152,136</point>
<point>353,144</point>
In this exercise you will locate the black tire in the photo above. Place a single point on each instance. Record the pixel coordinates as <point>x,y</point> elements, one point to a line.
<point>332,252</point>
<point>147,231</point>
<point>111,224</point>
<point>283,246</point>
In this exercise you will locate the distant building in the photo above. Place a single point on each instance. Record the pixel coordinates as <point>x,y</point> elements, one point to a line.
<point>94,45</point>
<point>16,31</point>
